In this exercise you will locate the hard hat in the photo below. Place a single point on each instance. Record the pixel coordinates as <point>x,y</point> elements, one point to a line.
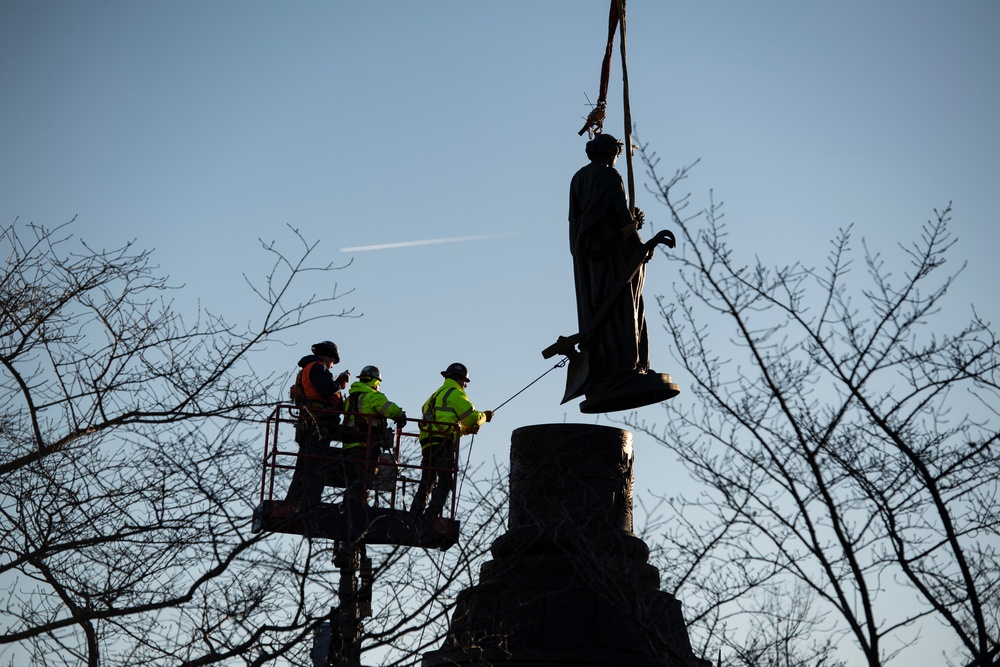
<point>371,373</point>
<point>327,349</point>
<point>457,371</point>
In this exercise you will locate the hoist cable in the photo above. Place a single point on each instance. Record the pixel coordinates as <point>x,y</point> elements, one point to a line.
<point>620,4</point>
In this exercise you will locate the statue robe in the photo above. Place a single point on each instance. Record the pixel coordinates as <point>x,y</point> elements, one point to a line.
<point>602,255</point>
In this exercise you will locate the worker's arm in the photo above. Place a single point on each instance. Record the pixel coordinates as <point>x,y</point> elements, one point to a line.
<point>323,381</point>
<point>469,418</point>
<point>381,405</point>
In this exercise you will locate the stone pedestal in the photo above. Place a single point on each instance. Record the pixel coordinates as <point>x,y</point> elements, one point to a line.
<point>569,583</point>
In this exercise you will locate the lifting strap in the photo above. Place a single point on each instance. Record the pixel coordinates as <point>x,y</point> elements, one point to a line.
<point>595,121</point>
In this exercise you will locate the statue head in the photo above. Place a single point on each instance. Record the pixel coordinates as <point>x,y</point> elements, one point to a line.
<point>604,148</point>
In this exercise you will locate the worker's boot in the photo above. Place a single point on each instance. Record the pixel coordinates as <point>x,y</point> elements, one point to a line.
<point>420,499</point>
<point>356,493</point>
<point>436,504</point>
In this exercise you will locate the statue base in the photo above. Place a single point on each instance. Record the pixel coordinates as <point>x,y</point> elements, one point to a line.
<point>629,391</point>
<point>570,584</point>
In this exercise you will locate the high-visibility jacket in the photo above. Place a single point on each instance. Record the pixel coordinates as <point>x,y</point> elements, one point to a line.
<point>366,400</point>
<point>449,404</point>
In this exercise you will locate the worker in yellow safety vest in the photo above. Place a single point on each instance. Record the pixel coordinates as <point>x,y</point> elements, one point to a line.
<point>317,393</point>
<point>368,412</point>
<point>439,442</point>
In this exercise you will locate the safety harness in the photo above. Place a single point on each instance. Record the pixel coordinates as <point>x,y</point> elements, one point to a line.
<point>438,434</point>
<point>303,392</point>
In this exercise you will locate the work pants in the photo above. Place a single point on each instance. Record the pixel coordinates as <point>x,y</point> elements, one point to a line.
<point>436,479</point>
<point>358,473</point>
<point>314,463</point>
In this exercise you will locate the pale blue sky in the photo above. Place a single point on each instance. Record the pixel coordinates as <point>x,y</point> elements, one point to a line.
<point>198,127</point>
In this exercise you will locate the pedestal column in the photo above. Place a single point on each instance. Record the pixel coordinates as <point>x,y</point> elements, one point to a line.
<point>569,583</point>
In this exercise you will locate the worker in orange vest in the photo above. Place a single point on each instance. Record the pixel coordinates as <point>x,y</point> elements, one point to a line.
<point>318,394</point>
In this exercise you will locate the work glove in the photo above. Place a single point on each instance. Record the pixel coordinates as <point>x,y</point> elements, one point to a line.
<point>400,421</point>
<point>343,379</point>
<point>489,415</point>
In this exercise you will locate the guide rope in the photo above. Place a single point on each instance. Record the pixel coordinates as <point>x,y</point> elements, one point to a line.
<point>560,364</point>
<point>472,441</point>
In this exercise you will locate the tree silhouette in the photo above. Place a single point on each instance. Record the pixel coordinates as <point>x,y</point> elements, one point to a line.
<point>845,435</point>
<point>130,436</point>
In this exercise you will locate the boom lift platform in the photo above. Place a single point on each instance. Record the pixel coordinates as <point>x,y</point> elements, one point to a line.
<point>379,514</point>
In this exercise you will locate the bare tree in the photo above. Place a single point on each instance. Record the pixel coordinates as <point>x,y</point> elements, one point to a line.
<point>730,604</point>
<point>129,442</point>
<point>416,592</point>
<point>845,436</point>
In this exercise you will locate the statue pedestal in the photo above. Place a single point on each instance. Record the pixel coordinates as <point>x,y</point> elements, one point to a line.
<point>569,583</point>
<point>628,392</point>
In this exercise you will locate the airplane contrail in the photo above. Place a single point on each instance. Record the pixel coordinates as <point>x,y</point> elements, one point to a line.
<point>407,244</point>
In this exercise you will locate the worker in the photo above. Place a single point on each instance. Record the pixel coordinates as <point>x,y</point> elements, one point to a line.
<point>368,413</point>
<point>456,416</point>
<point>318,395</point>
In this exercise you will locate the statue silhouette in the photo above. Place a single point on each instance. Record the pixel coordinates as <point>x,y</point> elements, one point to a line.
<point>609,270</point>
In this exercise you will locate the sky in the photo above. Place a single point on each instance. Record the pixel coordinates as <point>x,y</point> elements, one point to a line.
<point>428,147</point>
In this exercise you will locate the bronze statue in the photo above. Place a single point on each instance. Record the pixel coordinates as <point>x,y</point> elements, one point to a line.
<point>609,256</point>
